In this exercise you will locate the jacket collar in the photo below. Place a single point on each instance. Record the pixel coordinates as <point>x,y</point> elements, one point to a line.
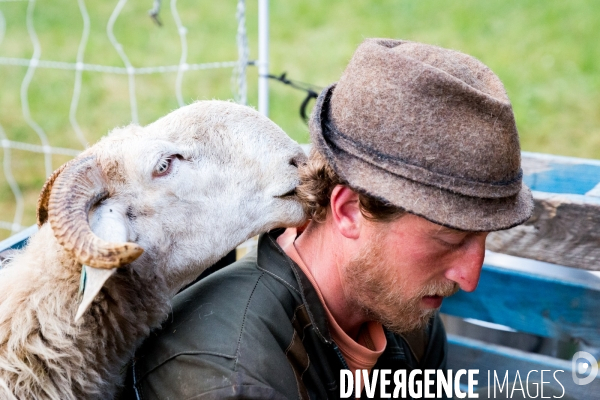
<point>272,259</point>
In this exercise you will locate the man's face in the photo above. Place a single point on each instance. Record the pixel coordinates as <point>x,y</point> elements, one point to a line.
<point>404,268</point>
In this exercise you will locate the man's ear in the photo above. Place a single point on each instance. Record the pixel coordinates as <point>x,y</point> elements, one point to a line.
<point>345,211</point>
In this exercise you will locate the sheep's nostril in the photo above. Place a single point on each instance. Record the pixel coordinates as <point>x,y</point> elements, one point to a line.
<point>298,160</point>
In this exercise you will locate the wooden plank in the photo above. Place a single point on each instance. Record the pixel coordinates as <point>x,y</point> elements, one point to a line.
<point>557,174</point>
<point>589,279</point>
<point>18,240</point>
<point>563,230</point>
<point>532,303</point>
<point>11,245</point>
<point>464,353</point>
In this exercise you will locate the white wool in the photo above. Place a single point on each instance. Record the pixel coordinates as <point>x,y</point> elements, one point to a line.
<point>229,165</point>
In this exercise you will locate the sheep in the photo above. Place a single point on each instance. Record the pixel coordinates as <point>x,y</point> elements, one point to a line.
<point>144,211</point>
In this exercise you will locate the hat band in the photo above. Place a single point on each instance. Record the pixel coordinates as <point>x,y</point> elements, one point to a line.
<point>340,142</point>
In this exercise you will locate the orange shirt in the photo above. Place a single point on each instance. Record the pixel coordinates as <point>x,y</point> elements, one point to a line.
<point>361,353</point>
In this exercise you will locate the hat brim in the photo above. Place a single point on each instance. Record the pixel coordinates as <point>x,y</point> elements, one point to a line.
<point>437,205</point>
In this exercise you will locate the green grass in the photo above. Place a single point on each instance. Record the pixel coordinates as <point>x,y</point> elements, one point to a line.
<point>546,53</point>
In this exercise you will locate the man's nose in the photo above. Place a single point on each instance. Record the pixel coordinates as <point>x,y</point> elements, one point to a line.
<point>467,269</point>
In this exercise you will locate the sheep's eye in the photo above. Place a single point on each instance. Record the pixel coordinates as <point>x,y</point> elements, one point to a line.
<point>163,167</point>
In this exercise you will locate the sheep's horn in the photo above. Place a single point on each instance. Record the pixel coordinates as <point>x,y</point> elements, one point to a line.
<point>42,205</point>
<point>73,191</point>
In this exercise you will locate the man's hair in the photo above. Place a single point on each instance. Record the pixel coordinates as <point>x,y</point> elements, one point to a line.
<point>317,181</point>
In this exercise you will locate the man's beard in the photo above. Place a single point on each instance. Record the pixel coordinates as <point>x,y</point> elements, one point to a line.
<point>379,291</point>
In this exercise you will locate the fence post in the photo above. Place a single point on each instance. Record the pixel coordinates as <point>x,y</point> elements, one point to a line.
<point>263,57</point>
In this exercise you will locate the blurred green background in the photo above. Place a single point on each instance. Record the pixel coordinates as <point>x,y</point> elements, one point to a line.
<point>547,53</point>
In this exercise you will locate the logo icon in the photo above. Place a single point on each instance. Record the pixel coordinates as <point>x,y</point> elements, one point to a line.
<point>584,364</point>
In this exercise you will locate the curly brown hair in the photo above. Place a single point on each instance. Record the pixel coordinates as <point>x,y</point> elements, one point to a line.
<point>317,181</point>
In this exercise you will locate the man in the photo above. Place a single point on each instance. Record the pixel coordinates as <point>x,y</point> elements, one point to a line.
<point>415,159</point>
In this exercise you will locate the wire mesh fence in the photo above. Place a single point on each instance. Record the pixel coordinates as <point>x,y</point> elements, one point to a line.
<point>72,70</point>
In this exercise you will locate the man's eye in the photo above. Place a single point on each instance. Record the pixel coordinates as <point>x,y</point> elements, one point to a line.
<point>451,243</point>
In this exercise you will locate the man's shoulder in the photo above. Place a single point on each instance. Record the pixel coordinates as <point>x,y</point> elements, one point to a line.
<point>230,320</point>
<point>212,315</point>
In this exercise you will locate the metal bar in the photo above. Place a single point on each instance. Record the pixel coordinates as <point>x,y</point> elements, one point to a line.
<point>263,57</point>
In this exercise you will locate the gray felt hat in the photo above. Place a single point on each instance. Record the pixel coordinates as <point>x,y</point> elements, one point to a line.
<point>427,129</point>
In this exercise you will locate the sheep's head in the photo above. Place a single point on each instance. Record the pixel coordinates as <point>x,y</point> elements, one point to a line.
<point>184,190</point>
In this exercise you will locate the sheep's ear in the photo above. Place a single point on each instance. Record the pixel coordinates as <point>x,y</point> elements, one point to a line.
<point>92,280</point>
